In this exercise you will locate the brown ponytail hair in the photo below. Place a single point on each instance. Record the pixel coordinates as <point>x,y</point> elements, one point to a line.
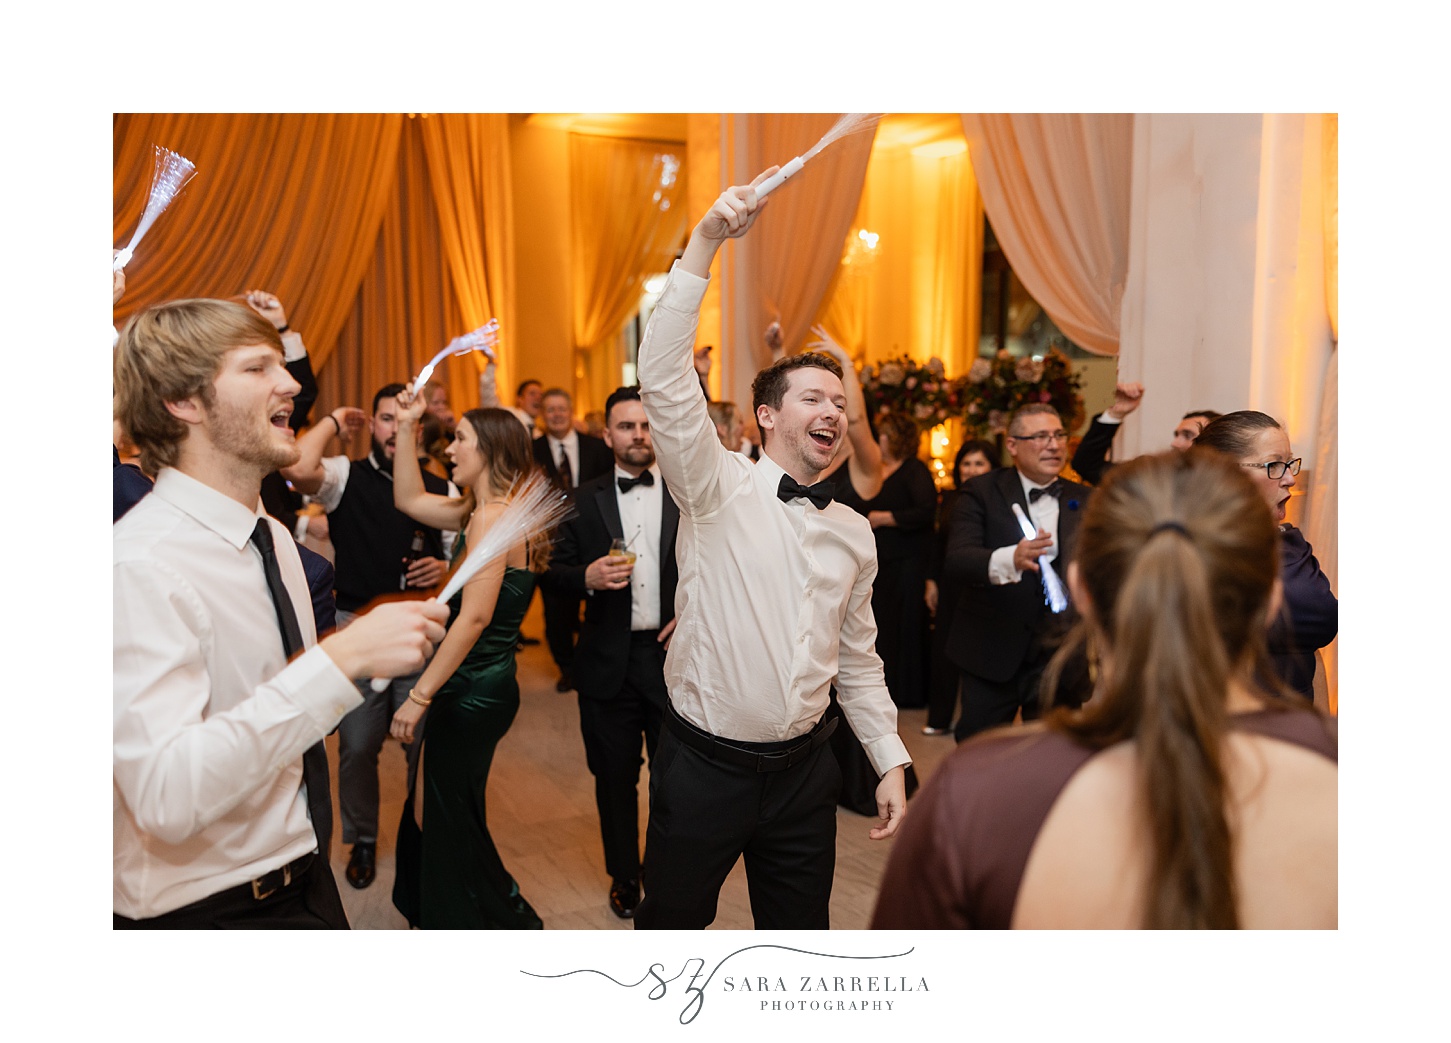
<point>1178,554</point>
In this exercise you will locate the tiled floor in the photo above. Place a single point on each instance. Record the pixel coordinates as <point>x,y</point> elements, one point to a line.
<point>542,817</point>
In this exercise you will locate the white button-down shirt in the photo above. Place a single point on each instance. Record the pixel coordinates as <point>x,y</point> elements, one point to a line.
<point>210,720</point>
<point>774,599</point>
<point>640,522</point>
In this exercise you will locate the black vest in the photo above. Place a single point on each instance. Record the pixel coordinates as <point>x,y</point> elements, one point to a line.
<point>371,537</point>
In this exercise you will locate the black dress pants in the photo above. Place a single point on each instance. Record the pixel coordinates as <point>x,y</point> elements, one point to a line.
<point>561,626</point>
<point>612,729</point>
<point>705,814</point>
<point>310,902</point>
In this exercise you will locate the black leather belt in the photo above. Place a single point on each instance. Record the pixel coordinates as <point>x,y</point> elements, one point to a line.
<point>753,756</point>
<point>272,882</point>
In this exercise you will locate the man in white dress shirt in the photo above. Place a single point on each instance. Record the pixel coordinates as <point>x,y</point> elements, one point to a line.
<point>216,735</point>
<point>774,604</point>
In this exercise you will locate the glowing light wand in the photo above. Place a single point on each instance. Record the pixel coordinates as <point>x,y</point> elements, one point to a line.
<point>846,123</point>
<point>1054,596</point>
<point>169,175</point>
<point>536,504</point>
<point>482,339</point>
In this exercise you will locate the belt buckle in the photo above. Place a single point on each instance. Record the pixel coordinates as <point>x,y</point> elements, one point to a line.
<point>783,757</point>
<point>257,885</point>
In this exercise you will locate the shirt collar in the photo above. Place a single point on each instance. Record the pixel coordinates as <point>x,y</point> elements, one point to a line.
<point>569,440</point>
<point>215,510</point>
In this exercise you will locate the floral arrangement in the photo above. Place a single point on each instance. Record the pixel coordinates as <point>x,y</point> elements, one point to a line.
<point>984,398</point>
<point>996,387</point>
<point>922,392</point>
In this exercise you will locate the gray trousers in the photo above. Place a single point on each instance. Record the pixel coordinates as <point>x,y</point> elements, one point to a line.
<point>361,735</point>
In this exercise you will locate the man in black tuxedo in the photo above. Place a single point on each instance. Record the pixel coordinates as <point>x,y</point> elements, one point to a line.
<point>1003,633</point>
<point>619,664</point>
<point>570,459</point>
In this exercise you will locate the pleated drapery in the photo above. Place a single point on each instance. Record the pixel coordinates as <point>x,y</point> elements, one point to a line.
<point>384,236</point>
<point>1056,188</point>
<point>797,242</point>
<point>288,203</point>
<point>626,201</point>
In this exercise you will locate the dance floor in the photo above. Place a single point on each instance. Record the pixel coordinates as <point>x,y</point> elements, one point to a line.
<point>542,816</point>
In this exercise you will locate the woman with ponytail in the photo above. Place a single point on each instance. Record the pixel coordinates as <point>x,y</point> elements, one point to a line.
<point>1184,793</point>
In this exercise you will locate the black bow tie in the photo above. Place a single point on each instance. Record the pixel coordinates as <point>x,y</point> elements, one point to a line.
<point>1054,489</point>
<point>626,484</point>
<point>820,494</point>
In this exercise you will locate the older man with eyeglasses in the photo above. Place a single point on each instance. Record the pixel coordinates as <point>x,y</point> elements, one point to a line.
<point>1004,631</point>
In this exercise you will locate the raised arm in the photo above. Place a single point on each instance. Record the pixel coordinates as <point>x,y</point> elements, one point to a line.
<point>865,462</point>
<point>409,494</point>
<point>307,474</point>
<point>690,454</point>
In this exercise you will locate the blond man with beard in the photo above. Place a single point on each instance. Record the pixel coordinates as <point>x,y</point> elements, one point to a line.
<point>219,775</point>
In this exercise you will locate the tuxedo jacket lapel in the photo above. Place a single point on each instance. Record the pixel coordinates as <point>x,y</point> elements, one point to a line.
<point>610,510</point>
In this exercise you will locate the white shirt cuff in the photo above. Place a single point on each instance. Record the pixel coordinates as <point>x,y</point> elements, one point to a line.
<point>1000,569</point>
<point>292,346</point>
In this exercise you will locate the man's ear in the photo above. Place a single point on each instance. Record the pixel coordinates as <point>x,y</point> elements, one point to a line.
<point>187,410</point>
<point>765,419</point>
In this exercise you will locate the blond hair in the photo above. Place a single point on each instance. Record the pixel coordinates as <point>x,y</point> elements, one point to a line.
<point>169,353</point>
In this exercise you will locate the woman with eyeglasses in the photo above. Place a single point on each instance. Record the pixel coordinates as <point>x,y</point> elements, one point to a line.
<point>1311,614</point>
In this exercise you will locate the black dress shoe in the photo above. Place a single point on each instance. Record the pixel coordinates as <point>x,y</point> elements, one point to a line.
<point>362,865</point>
<point>624,896</point>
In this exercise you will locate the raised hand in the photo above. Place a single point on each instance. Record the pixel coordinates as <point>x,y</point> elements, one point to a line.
<point>268,306</point>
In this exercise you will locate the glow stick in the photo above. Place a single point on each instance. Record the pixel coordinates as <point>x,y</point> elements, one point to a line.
<point>1054,596</point>
<point>169,175</point>
<point>482,339</point>
<point>536,504</point>
<point>846,123</point>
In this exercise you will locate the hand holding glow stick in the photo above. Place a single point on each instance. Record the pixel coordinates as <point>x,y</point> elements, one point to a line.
<point>847,123</point>
<point>535,505</point>
<point>1053,593</point>
<point>169,175</point>
<point>482,339</point>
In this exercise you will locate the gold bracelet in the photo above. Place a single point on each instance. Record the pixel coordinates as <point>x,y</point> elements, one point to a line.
<point>413,694</point>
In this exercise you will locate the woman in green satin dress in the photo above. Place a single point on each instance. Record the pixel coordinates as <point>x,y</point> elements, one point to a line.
<point>449,874</point>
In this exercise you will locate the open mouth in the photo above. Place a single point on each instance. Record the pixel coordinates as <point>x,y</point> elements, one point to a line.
<point>281,418</point>
<point>824,437</point>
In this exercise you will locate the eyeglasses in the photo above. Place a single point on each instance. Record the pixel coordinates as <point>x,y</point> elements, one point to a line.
<point>1275,469</point>
<point>1042,437</point>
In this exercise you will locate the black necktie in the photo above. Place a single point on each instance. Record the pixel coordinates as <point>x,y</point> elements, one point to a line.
<point>626,484</point>
<point>566,476</point>
<point>820,494</point>
<point>1054,489</point>
<point>314,759</point>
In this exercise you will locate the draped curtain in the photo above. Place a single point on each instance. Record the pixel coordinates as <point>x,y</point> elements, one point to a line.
<point>1056,188</point>
<point>1324,512</point>
<point>468,166</point>
<point>796,243</point>
<point>628,221</point>
<point>918,292</point>
<point>287,203</point>
<point>384,236</point>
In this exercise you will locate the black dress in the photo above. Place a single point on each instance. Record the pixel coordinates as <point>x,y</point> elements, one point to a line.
<point>858,777</point>
<point>943,676</point>
<point>903,551</point>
